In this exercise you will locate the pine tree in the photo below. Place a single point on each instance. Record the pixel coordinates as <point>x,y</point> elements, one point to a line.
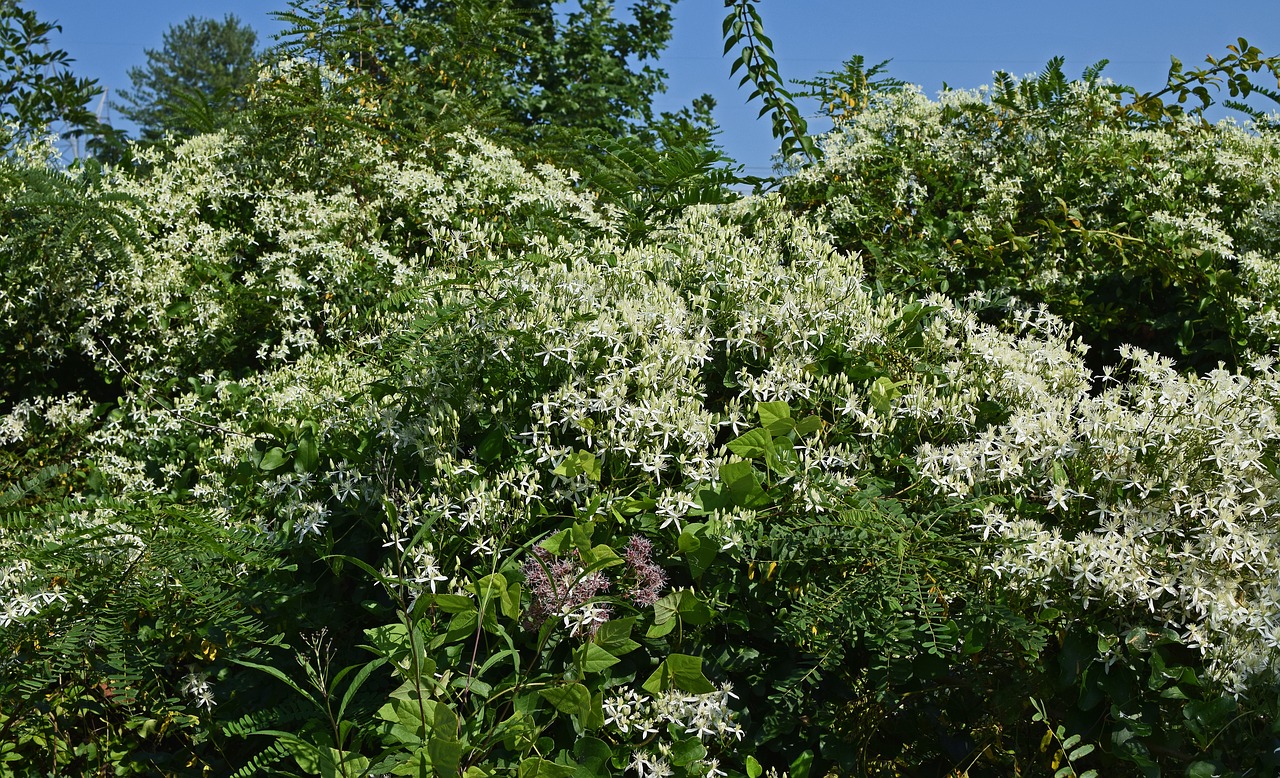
<point>196,81</point>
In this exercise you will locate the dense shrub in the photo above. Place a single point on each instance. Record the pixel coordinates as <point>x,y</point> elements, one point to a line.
<point>1151,233</point>
<point>420,458</point>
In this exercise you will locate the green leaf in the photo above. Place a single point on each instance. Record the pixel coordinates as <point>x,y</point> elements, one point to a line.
<point>579,463</point>
<point>698,550</point>
<point>462,625</point>
<point>741,484</point>
<point>754,444</point>
<point>591,658</point>
<point>801,765</point>
<point>679,671</point>
<point>558,543</point>
<point>593,757</point>
<point>775,417</point>
<point>453,603</point>
<point>882,394</point>
<point>272,459</point>
<point>754,770</point>
<point>687,751</point>
<point>536,767</point>
<point>808,425</point>
<point>661,630</point>
<point>614,636</point>
<point>279,675</point>
<point>494,589</point>
<point>307,457</point>
<point>572,698</point>
<point>358,681</point>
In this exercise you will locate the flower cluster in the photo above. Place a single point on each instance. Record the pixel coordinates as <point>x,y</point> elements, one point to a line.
<point>707,717</point>
<point>1157,498</point>
<point>561,588</point>
<point>197,687</point>
<point>648,577</point>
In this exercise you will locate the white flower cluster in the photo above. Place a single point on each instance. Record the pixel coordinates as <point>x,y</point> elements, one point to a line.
<point>67,413</point>
<point>1159,494</point>
<point>705,716</point>
<point>20,597</point>
<point>199,689</point>
<point>1192,186</point>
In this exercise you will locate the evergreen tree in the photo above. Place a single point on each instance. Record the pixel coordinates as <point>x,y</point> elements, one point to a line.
<point>196,81</point>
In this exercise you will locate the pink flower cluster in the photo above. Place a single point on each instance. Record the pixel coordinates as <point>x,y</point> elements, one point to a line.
<point>560,587</point>
<point>649,578</point>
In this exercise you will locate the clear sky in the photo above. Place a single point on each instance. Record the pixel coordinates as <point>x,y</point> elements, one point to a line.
<point>930,42</point>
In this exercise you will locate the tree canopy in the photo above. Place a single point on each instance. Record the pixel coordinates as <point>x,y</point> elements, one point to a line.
<point>195,81</point>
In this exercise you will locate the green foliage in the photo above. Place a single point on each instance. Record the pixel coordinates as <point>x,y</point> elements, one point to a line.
<point>37,87</point>
<point>744,28</point>
<point>1234,68</point>
<point>1147,226</point>
<point>113,600</point>
<point>844,94</point>
<point>195,82</point>
<point>405,451</point>
<point>583,68</point>
<point>46,214</point>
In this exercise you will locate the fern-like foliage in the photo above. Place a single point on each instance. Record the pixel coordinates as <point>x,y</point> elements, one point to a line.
<point>111,607</point>
<point>845,93</point>
<point>1263,121</point>
<point>61,235</point>
<point>652,182</point>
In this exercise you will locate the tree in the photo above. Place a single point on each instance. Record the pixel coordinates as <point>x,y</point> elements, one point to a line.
<point>196,81</point>
<point>37,87</point>
<point>583,69</point>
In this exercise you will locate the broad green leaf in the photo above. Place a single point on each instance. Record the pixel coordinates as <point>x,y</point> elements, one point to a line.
<point>614,636</point>
<point>579,463</point>
<point>754,444</point>
<point>687,751</point>
<point>661,630</point>
<point>572,698</point>
<point>591,658</point>
<point>454,603</point>
<point>683,604</point>
<point>494,589</point>
<point>882,394</point>
<point>558,543</point>
<point>307,457</point>
<point>272,459</point>
<point>461,625</point>
<point>535,767</point>
<point>601,556</point>
<point>518,732</point>
<point>697,549</point>
<point>593,755</point>
<point>445,752</point>
<point>679,671</point>
<point>808,425</point>
<point>742,484</point>
<point>775,417</point>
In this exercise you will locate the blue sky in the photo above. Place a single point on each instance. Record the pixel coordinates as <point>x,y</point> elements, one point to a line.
<point>929,41</point>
